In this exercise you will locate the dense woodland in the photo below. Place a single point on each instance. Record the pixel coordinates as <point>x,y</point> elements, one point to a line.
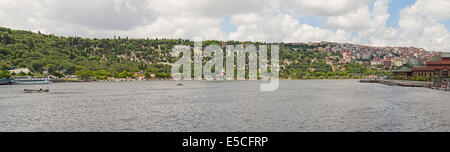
<point>121,57</point>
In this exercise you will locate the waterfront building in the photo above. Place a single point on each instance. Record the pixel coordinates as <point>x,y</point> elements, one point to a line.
<point>438,66</point>
<point>19,71</point>
<point>402,73</point>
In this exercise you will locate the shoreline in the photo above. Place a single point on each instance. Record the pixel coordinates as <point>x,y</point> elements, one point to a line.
<point>407,83</point>
<point>149,80</point>
<point>133,80</point>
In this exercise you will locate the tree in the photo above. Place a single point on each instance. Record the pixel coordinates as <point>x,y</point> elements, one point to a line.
<point>103,74</point>
<point>50,68</point>
<point>4,74</point>
<point>85,74</point>
<point>57,74</point>
<point>123,74</point>
<point>147,74</point>
<point>30,44</point>
<point>6,39</point>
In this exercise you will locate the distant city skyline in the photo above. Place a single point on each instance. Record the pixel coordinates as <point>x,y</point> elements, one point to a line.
<point>416,23</point>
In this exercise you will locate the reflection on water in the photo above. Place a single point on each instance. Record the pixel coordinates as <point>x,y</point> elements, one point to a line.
<point>314,105</point>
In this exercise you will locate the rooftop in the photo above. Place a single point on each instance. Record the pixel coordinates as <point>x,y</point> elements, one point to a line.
<point>403,69</point>
<point>445,55</point>
<point>438,63</point>
<point>430,68</point>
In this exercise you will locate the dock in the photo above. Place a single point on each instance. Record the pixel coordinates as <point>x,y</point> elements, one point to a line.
<point>400,83</point>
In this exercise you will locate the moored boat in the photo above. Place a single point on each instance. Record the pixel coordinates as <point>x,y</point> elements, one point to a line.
<point>369,81</point>
<point>36,91</point>
<point>30,81</point>
<point>5,81</point>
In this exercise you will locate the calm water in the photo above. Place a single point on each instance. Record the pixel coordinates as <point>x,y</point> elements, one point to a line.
<point>314,105</point>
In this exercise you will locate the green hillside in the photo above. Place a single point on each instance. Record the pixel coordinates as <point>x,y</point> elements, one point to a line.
<point>121,56</point>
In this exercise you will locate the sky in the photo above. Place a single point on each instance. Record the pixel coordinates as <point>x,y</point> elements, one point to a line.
<point>417,23</point>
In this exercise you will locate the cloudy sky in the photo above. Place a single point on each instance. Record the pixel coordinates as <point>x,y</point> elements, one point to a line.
<point>420,23</point>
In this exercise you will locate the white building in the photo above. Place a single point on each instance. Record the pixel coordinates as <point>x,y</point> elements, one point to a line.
<point>21,70</point>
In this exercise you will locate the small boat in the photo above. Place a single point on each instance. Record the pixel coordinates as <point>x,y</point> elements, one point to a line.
<point>36,91</point>
<point>369,81</point>
<point>5,81</point>
<point>180,84</point>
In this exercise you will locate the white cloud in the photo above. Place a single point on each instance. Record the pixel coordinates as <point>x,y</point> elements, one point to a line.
<point>280,28</point>
<point>14,14</point>
<point>324,7</point>
<point>205,8</point>
<point>102,14</point>
<point>362,18</point>
<point>82,18</point>
<point>182,27</point>
<point>433,9</point>
<point>418,26</point>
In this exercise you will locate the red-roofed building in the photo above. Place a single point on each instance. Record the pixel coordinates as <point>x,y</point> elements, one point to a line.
<point>434,68</point>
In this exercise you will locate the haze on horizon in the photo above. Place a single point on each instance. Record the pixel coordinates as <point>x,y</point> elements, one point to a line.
<point>418,23</point>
